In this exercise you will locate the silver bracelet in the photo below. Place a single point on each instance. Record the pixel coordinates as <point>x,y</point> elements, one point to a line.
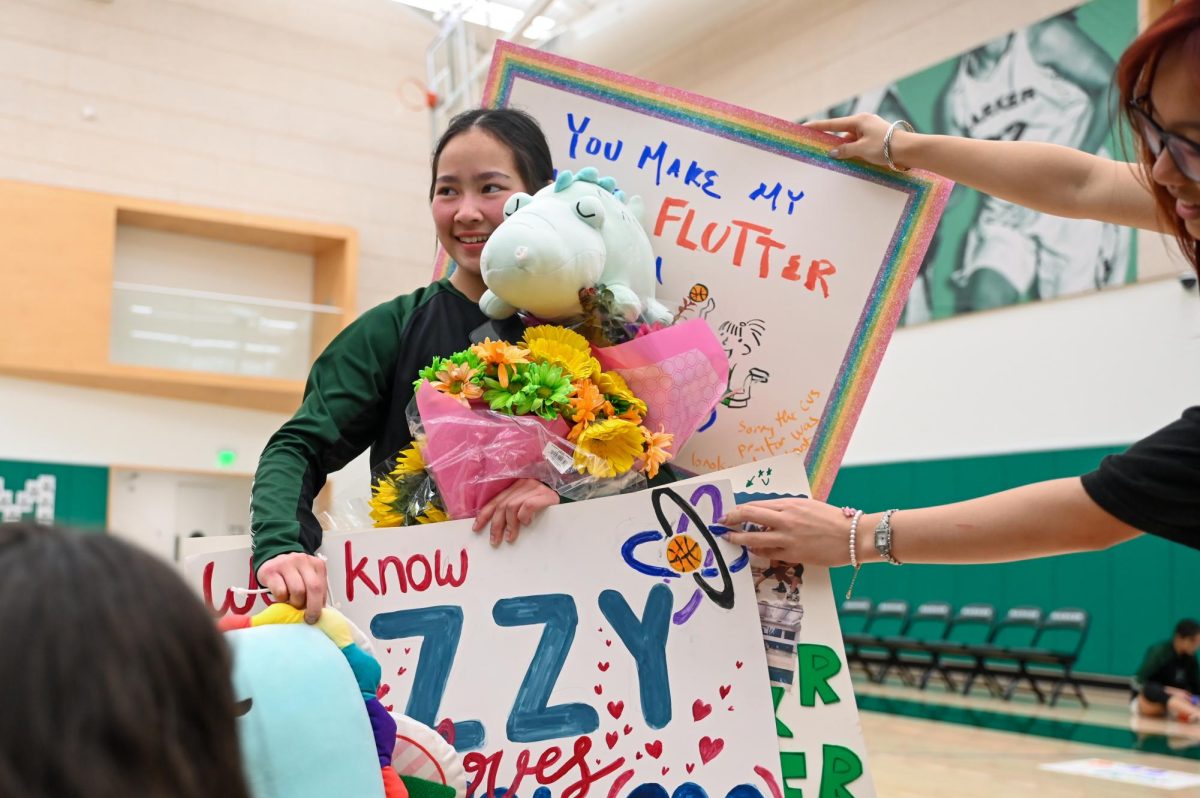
<point>853,554</point>
<point>883,538</point>
<point>887,144</point>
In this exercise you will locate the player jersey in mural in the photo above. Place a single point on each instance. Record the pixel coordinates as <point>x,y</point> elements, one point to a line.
<point>1018,98</point>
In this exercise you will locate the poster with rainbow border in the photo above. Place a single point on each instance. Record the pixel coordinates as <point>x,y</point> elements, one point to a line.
<point>800,263</point>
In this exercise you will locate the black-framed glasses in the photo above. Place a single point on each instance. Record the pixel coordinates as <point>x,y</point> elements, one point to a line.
<point>1184,151</point>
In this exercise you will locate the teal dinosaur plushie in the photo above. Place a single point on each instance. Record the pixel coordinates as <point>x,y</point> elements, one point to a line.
<point>579,233</point>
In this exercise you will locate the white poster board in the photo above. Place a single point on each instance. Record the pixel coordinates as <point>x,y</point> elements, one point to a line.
<point>801,264</point>
<point>580,645</point>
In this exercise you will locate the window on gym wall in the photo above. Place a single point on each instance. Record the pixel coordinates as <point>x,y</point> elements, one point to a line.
<point>187,302</point>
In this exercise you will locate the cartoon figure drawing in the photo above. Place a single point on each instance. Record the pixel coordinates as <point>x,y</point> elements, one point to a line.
<point>740,339</point>
<point>696,305</point>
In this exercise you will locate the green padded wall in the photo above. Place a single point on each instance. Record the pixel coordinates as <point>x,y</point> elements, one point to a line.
<point>81,492</point>
<point>1135,592</point>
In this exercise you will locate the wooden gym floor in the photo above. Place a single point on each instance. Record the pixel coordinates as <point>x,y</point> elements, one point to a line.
<point>935,743</point>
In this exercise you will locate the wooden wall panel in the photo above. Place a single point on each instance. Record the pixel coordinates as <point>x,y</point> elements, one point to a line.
<point>56,269</point>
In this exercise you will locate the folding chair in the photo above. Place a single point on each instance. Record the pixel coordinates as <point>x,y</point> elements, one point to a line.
<point>929,623</point>
<point>854,617</point>
<point>1017,629</point>
<point>1056,647</point>
<point>972,625</point>
<point>889,619</point>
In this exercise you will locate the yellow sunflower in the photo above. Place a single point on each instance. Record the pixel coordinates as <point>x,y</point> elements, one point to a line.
<point>432,515</point>
<point>409,461</point>
<point>384,497</point>
<point>608,448</point>
<point>613,384</point>
<point>552,332</point>
<point>574,362</point>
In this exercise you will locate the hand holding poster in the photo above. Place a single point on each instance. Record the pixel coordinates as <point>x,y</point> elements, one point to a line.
<point>801,264</point>
<point>615,649</point>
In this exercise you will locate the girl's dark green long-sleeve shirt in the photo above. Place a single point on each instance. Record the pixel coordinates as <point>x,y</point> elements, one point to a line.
<point>355,398</point>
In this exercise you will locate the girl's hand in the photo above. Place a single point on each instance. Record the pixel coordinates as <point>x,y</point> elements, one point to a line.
<point>793,530</point>
<point>298,579</point>
<point>514,507</point>
<point>863,137</point>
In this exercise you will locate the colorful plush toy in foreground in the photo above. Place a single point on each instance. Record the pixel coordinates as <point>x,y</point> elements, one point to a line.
<point>579,233</point>
<point>311,724</point>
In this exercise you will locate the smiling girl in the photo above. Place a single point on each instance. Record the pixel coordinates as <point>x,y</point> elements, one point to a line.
<point>359,388</point>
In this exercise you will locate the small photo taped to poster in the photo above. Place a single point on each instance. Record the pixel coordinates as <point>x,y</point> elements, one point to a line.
<point>777,586</point>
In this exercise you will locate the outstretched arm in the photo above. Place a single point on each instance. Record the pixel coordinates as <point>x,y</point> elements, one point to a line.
<point>1045,177</point>
<point>1054,517</point>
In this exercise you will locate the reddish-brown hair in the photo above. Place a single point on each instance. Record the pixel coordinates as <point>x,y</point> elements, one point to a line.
<point>1177,27</point>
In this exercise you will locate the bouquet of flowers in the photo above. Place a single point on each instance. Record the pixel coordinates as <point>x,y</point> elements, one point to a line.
<point>591,406</point>
<point>541,408</point>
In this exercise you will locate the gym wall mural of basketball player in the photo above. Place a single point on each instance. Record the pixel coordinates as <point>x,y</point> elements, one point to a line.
<point>1046,82</point>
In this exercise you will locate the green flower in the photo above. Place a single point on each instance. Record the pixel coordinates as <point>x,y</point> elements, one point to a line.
<point>546,392</point>
<point>501,398</point>
<point>468,357</point>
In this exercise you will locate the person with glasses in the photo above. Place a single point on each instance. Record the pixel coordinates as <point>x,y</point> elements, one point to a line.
<point>1153,487</point>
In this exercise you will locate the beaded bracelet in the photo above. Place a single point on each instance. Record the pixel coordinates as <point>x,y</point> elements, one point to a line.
<point>854,516</point>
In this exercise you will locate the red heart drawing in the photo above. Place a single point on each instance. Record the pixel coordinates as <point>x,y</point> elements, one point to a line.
<point>725,690</point>
<point>598,761</point>
<point>730,707</point>
<point>600,629</point>
<point>388,649</point>
<point>665,770</point>
<point>607,643</point>
<point>654,749</point>
<point>603,666</point>
<point>690,767</point>
<point>611,738</point>
<point>383,690</point>
<point>445,727</point>
<point>407,650</point>
<point>599,688</point>
<point>700,710</point>
<point>628,729</point>
<point>389,707</point>
<point>615,708</point>
<point>709,749</point>
<point>738,664</point>
<point>402,671</point>
<point>639,754</point>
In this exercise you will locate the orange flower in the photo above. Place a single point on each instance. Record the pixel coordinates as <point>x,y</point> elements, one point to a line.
<point>455,381</point>
<point>586,401</point>
<point>657,444</point>
<point>632,414</point>
<point>502,355</point>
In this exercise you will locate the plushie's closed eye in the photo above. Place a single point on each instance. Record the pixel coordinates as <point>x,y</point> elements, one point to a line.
<point>241,708</point>
<point>591,211</point>
<point>515,202</point>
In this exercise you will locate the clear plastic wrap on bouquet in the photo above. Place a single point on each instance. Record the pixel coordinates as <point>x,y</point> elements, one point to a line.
<point>473,453</point>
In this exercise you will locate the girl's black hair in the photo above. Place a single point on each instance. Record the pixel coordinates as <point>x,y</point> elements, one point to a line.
<point>114,680</point>
<point>516,130</point>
